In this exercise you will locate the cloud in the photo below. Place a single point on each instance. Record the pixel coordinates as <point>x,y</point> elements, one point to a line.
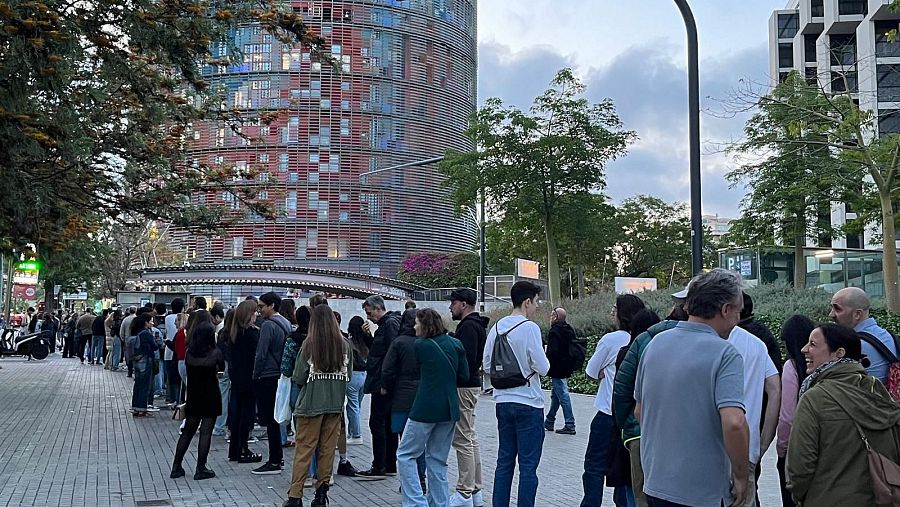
<point>649,90</point>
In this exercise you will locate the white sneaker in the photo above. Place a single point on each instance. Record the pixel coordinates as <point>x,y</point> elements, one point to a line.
<point>478,499</point>
<point>354,441</point>
<point>458,500</point>
<point>151,408</point>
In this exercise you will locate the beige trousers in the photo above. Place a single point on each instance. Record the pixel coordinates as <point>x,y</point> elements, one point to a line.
<point>465,441</point>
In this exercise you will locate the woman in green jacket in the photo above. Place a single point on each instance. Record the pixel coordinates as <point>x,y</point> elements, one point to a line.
<point>322,371</point>
<point>827,462</point>
<point>435,410</point>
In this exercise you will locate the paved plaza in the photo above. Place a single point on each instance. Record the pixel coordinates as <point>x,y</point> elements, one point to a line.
<point>68,440</point>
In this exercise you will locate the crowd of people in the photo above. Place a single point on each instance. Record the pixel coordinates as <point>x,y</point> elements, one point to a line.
<point>685,407</point>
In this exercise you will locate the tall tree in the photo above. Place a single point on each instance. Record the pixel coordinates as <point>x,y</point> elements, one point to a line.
<point>534,160</point>
<point>795,173</point>
<point>656,240</point>
<point>97,101</point>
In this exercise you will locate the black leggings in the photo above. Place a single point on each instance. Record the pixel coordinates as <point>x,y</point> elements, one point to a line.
<point>191,424</point>
<point>240,421</point>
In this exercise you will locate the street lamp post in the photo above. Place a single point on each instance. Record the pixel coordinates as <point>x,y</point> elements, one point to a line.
<point>694,132</point>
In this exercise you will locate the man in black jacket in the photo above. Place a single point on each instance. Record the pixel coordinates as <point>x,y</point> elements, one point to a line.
<point>472,332</point>
<point>559,342</point>
<point>384,442</point>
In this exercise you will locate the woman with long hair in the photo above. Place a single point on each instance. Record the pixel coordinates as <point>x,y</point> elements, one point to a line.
<point>322,370</point>
<point>203,403</point>
<point>794,334</point>
<point>243,336</point>
<point>841,414</point>
<point>299,319</point>
<point>602,366</point>
<point>360,339</point>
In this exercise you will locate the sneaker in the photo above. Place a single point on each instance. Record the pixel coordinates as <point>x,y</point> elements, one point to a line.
<point>293,502</point>
<point>354,441</point>
<point>566,431</point>
<point>478,499</point>
<point>151,408</point>
<point>460,500</point>
<point>548,427</point>
<point>372,474</point>
<point>252,440</point>
<point>218,433</point>
<point>321,499</point>
<point>267,469</point>
<point>203,473</point>
<point>250,458</point>
<point>176,472</point>
<point>310,482</point>
<point>346,468</point>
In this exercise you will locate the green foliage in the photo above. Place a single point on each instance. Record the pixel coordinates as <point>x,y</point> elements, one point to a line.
<point>529,163</point>
<point>435,270</point>
<point>97,104</point>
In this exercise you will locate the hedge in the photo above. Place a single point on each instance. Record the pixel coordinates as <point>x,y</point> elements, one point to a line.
<point>772,305</point>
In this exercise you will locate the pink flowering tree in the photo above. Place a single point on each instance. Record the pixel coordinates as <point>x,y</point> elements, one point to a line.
<point>432,269</point>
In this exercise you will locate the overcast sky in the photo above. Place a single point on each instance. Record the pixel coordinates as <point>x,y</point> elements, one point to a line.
<point>634,53</point>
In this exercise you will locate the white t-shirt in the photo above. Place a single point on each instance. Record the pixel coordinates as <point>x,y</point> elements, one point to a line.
<point>604,359</point>
<point>758,367</point>
<point>170,334</point>
<point>525,341</point>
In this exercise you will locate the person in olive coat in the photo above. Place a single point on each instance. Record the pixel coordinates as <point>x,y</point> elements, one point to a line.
<point>203,401</point>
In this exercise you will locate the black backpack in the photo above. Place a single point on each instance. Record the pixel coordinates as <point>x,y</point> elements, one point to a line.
<point>577,353</point>
<point>505,372</point>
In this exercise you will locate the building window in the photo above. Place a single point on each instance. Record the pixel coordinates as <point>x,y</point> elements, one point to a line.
<point>263,177</point>
<point>290,201</point>
<point>812,76</point>
<point>283,161</point>
<point>263,158</point>
<point>843,82</point>
<point>313,177</point>
<point>883,45</point>
<point>345,86</point>
<point>344,216</point>
<point>345,127</point>
<point>263,195</point>
<point>344,197</point>
<point>337,248</point>
<point>817,8</point>
<point>312,238</point>
<point>785,55</point>
<point>292,177</point>
<point>888,122</point>
<point>237,247</point>
<point>852,7</point>
<point>809,48</point>
<point>888,83</point>
<point>314,157</point>
<point>843,49</point>
<point>788,24</point>
<point>325,104</point>
<point>313,199</point>
<point>345,105</point>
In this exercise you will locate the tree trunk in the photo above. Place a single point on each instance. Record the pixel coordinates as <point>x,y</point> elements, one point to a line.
<point>552,264</point>
<point>889,258</point>
<point>580,273</point>
<point>799,259</point>
<point>49,298</point>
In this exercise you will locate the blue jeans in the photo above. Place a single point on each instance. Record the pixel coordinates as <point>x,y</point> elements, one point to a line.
<point>398,424</point>
<point>559,397</point>
<point>354,401</point>
<point>116,355</point>
<point>658,502</point>
<point>596,459</point>
<point>143,378</point>
<point>225,391</point>
<point>97,348</point>
<point>521,433</point>
<point>434,440</point>
<point>623,496</point>
<point>159,383</point>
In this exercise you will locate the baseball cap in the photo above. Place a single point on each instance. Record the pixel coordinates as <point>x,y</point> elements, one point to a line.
<point>682,294</point>
<point>464,294</point>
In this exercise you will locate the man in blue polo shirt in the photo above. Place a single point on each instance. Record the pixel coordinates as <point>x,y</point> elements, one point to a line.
<point>689,393</point>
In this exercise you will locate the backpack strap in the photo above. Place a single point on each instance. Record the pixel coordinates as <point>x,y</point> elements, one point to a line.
<point>510,330</point>
<point>880,347</point>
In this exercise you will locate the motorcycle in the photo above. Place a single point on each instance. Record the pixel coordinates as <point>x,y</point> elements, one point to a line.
<point>31,345</point>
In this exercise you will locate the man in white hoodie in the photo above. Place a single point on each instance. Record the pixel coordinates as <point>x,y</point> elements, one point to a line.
<point>519,408</point>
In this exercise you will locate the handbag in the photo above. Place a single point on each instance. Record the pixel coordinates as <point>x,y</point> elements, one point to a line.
<point>884,472</point>
<point>283,400</point>
<point>179,412</point>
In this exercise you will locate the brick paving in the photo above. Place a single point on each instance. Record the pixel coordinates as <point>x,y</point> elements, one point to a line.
<point>67,439</point>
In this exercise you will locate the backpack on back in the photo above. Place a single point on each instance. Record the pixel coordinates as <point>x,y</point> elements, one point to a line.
<point>893,378</point>
<point>505,372</point>
<point>577,353</point>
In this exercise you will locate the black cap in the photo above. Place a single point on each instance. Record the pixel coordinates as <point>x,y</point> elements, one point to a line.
<point>464,294</point>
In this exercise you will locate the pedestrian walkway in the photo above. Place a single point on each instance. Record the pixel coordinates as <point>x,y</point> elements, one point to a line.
<point>67,439</point>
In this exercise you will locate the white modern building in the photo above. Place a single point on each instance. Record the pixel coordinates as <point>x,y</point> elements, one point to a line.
<point>843,45</point>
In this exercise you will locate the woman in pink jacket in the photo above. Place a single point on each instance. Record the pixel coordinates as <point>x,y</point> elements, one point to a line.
<point>794,334</point>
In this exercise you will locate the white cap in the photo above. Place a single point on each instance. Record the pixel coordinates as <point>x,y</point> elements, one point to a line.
<point>682,294</point>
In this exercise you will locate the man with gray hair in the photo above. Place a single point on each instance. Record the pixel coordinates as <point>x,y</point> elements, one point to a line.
<point>384,441</point>
<point>689,393</point>
<point>850,308</point>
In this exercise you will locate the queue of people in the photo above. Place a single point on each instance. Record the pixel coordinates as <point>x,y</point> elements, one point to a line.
<point>706,386</point>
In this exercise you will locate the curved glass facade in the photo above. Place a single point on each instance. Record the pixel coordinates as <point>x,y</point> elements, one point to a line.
<point>403,92</point>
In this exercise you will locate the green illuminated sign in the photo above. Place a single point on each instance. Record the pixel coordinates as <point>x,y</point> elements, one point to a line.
<point>28,266</point>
